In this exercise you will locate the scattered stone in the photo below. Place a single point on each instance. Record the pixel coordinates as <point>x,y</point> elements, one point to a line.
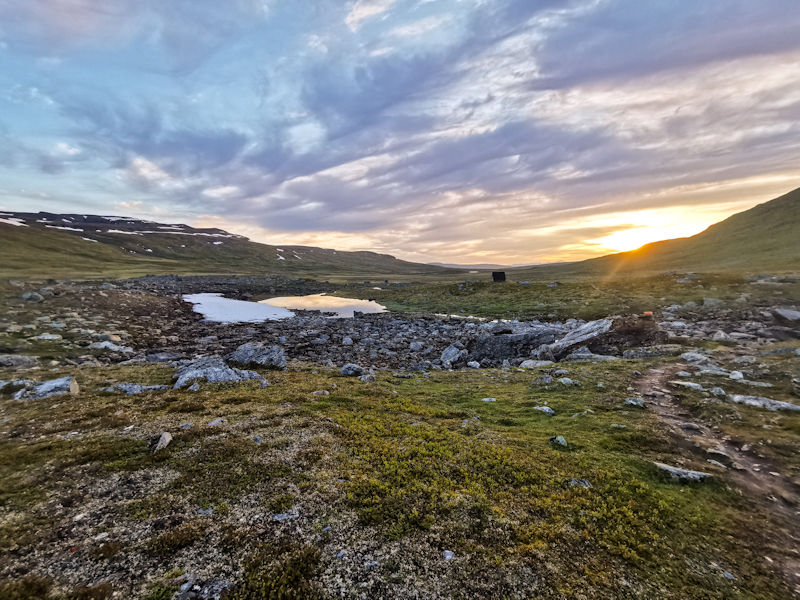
<point>474,364</point>
<point>54,387</point>
<point>736,375</point>
<point>535,364</point>
<point>163,441</point>
<point>688,384</point>
<point>351,370</point>
<point>718,391</point>
<point>653,352</point>
<point>284,517</point>
<point>134,388</point>
<point>448,556</point>
<point>164,357</point>
<point>489,400</point>
<point>758,401</point>
<point>567,381</point>
<point>416,346</point>
<point>720,336</point>
<point>107,345</point>
<point>583,354</point>
<point>635,402</point>
<point>679,474</point>
<point>546,410</point>
<point>369,377</point>
<point>454,354</point>
<point>711,302</point>
<point>253,352</point>
<point>543,380</point>
<point>584,483</point>
<point>695,357</point>
<point>787,314</point>
<point>49,337</point>
<point>32,297</point>
<point>218,422</point>
<point>558,439</point>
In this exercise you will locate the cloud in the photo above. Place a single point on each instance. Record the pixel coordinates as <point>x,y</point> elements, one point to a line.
<point>366,9</point>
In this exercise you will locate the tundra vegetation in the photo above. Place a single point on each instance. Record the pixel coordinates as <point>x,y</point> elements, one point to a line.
<point>419,481</point>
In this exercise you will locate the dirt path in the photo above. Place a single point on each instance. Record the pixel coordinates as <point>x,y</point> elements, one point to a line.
<point>763,482</point>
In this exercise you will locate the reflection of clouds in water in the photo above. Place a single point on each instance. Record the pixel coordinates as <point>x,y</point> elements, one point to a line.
<point>343,307</point>
<point>217,309</point>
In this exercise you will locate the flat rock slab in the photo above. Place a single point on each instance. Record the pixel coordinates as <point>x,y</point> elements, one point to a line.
<point>214,370</point>
<point>54,387</point>
<point>679,474</point>
<point>760,402</point>
<point>135,388</point>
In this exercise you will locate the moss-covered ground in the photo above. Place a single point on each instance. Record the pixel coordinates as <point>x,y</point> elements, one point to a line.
<point>393,473</point>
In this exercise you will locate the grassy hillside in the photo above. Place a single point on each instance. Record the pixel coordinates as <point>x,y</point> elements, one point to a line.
<point>35,251</point>
<point>766,238</point>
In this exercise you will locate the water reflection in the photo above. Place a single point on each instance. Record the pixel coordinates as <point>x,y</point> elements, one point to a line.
<point>343,307</point>
<point>217,309</point>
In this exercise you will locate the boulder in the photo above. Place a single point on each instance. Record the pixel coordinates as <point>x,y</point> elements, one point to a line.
<point>534,364</point>
<point>678,474</point>
<point>255,353</point>
<point>351,370</point>
<point>546,410</point>
<point>134,388</point>
<point>17,361</point>
<point>453,354</point>
<point>501,347</point>
<point>214,370</point>
<point>110,346</point>
<point>32,297</point>
<point>579,336</point>
<point>163,441</point>
<point>760,402</point>
<point>788,315</point>
<point>54,387</point>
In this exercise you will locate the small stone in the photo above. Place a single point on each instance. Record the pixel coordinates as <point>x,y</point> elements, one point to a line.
<point>736,375</point>
<point>282,517</point>
<point>163,441</point>
<point>195,387</point>
<point>205,511</point>
<point>474,364</point>
<point>635,402</point>
<point>448,556</point>
<point>718,391</point>
<point>218,422</point>
<point>341,554</point>
<point>584,483</point>
<point>557,439</point>
<point>489,400</point>
<point>546,410</point>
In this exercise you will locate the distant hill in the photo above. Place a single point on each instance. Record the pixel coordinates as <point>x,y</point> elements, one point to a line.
<point>764,238</point>
<point>71,246</point>
<point>481,266</point>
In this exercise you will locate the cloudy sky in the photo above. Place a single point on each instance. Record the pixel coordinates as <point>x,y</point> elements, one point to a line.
<point>508,131</point>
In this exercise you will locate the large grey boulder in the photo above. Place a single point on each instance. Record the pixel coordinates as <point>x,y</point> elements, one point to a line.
<point>17,361</point>
<point>351,370</point>
<point>54,387</point>
<point>266,356</point>
<point>787,314</point>
<point>214,370</point>
<point>499,346</point>
<point>579,336</point>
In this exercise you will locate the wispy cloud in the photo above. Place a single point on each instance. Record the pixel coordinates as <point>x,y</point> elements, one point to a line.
<point>512,131</point>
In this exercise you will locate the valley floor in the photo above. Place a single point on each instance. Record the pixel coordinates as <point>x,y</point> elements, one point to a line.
<point>422,483</point>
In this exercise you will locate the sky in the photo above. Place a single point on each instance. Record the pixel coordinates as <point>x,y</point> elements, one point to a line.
<point>458,131</point>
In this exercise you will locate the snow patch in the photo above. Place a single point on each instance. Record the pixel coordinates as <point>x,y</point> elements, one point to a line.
<point>89,240</point>
<point>14,221</point>
<point>64,228</point>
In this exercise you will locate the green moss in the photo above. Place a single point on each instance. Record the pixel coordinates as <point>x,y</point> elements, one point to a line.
<point>279,572</point>
<point>27,588</point>
<point>168,543</point>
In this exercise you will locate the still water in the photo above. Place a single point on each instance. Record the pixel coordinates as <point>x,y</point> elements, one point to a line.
<point>218,309</point>
<point>343,307</point>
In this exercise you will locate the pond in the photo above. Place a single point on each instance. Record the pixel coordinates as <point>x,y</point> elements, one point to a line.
<point>343,307</point>
<point>218,309</point>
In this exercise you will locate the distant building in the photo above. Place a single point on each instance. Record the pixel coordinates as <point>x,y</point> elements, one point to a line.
<point>498,276</point>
